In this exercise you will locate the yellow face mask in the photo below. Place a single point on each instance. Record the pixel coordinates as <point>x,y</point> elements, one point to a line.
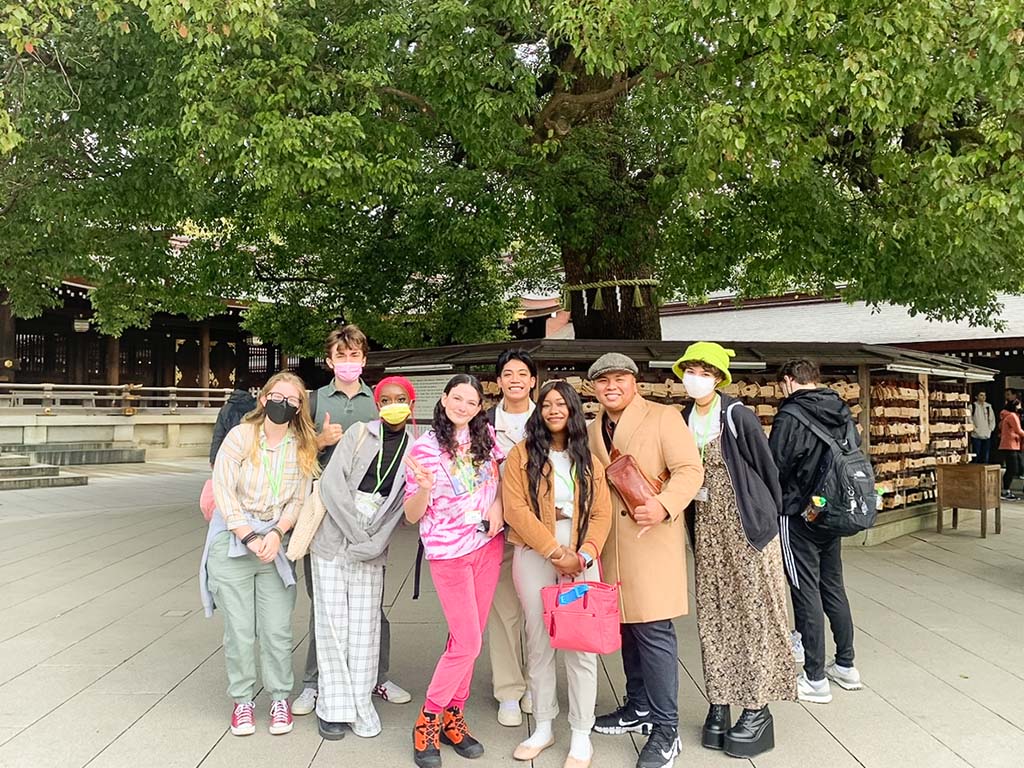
<point>395,413</point>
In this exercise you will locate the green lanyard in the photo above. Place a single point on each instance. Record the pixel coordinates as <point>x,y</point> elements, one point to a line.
<point>703,436</point>
<point>570,481</point>
<point>380,461</point>
<point>275,476</point>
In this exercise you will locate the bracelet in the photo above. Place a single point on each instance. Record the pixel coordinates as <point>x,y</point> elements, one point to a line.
<point>279,532</point>
<point>252,535</point>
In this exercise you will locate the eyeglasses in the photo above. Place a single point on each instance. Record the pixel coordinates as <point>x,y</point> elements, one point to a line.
<point>277,397</point>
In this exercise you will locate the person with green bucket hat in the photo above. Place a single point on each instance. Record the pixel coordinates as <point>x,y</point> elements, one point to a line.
<point>740,583</point>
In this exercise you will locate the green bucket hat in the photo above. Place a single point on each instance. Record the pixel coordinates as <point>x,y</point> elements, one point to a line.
<point>706,352</point>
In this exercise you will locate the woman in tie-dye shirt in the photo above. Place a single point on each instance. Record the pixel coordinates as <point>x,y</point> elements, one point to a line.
<point>452,491</point>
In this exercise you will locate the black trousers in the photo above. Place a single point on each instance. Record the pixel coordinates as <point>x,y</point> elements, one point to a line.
<point>814,567</point>
<point>650,658</point>
<point>1014,468</point>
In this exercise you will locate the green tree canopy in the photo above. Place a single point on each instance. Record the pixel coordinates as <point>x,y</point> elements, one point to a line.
<point>409,165</point>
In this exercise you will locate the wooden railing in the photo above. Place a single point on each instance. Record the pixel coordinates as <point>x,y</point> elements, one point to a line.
<point>106,398</point>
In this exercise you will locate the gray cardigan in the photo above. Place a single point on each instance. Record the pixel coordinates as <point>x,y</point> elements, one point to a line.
<point>341,531</point>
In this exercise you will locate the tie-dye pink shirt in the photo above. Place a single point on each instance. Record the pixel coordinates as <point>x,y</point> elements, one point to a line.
<point>459,491</point>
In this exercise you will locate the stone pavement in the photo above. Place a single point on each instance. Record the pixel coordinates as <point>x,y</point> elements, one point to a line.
<point>106,660</point>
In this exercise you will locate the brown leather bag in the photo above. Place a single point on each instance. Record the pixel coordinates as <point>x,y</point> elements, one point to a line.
<point>632,484</point>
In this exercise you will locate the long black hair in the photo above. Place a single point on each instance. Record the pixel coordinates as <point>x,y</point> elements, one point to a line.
<point>538,445</point>
<point>481,443</point>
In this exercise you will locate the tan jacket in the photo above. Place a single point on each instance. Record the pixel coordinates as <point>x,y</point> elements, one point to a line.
<point>651,569</point>
<point>539,534</point>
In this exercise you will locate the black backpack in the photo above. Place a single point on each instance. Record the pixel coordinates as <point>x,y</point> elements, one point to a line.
<point>844,495</point>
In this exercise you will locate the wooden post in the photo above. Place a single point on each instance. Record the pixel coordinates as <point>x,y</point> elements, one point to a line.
<point>113,360</point>
<point>204,357</point>
<point>864,381</point>
<point>8,340</point>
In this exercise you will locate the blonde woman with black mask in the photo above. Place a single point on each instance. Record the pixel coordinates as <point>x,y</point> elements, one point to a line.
<point>260,478</point>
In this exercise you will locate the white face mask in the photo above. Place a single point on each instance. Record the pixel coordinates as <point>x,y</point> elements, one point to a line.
<point>698,387</point>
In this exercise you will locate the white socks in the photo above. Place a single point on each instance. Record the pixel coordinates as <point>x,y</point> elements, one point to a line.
<point>540,736</point>
<point>580,747</point>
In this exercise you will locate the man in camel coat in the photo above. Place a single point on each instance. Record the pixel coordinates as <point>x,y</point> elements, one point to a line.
<point>646,552</point>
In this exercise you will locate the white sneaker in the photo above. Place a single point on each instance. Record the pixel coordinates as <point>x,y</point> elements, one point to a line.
<point>526,704</point>
<point>509,714</point>
<point>305,703</point>
<point>392,692</point>
<point>798,646</point>
<point>814,691</point>
<point>847,678</point>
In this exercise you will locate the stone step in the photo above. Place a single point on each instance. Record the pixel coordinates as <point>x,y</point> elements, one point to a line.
<point>14,460</point>
<point>63,457</point>
<point>25,483</point>
<point>35,470</point>
<point>26,448</point>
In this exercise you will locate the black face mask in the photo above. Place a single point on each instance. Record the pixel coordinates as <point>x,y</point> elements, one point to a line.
<point>280,413</point>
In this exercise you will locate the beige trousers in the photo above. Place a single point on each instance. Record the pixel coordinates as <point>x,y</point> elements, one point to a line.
<point>531,572</point>
<point>505,632</point>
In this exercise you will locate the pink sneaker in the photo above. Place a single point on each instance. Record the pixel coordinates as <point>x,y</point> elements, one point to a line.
<point>243,719</point>
<point>280,718</point>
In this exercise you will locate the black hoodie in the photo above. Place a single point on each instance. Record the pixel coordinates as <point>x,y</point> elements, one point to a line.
<point>239,403</point>
<point>798,453</point>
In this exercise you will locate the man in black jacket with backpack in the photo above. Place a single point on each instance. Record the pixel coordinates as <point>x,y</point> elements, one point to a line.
<point>812,556</point>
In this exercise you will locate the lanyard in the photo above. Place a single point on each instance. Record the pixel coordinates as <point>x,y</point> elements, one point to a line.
<point>570,481</point>
<point>275,476</point>
<point>703,436</point>
<point>380,460</point>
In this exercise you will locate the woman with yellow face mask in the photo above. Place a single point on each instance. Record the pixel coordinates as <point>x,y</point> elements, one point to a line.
<point>362,490</point>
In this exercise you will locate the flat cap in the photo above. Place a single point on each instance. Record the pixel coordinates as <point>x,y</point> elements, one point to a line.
<point>611,362</point>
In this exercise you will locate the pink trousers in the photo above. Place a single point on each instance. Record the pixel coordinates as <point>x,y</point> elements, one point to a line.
<point>465,587</point>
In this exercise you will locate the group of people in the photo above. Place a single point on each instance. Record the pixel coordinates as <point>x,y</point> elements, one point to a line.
<point>1006,429</point>
<point>509,501</point>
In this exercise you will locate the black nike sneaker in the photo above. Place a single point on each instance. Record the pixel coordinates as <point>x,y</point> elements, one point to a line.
<point>625,719</point>
<point>661,749</point>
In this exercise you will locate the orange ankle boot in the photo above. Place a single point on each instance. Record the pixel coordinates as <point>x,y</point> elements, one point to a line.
<point>455,732</point>
<point>426,746</point>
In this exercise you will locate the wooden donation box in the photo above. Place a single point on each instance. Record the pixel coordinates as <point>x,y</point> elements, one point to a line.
<point>969,486</point>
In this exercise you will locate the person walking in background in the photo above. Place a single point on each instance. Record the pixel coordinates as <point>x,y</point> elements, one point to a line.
<point>984,420</point>
<point>240,402</point>
<point>646,552</point>
<point>362,488</point>
<point>336,406</point>
<point>813,558</point>
<point>517,376</point>
<point>453,491</point>
<point>260,480</point>
<point>1010,437</point>
<point>558,507</point>
<point>740,587</point>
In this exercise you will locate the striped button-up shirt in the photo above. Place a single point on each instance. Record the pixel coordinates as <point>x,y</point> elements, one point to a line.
<point>242,481</point>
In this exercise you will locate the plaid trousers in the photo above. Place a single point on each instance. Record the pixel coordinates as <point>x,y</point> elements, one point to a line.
<point>347,597</point>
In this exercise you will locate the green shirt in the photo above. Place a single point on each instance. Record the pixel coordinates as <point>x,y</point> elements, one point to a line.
<point>344,410</point>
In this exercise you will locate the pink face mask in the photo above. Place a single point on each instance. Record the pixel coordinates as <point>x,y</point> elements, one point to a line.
<point>348,372</point>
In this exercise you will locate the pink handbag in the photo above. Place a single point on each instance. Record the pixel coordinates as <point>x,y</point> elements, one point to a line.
<point>583,616</point>
<point>206,500</point>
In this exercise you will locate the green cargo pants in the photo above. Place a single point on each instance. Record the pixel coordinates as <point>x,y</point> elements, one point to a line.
<point>255,604</point>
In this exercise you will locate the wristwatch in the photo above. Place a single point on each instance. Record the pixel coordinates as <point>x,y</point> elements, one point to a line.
<point>587,559</point>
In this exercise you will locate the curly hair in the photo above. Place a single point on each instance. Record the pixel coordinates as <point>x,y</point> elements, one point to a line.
<point>481,442</point>
<point>538,445</point>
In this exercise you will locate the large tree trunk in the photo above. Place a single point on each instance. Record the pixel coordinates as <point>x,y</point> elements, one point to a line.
<point>618,319</point>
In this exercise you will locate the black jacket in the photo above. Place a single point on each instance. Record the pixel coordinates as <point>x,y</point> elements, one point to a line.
<point>239,403</point>
<point>798,453</point>
<point>754,477</point>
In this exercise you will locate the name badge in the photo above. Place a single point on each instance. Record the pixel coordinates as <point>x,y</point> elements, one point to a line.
<point>473,516</point>
<point>702,495</point>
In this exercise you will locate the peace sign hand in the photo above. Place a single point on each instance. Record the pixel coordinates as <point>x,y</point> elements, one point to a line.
<point>424,479</point>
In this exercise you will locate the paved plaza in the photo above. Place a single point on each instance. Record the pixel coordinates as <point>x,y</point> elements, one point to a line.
<point>106,659</point>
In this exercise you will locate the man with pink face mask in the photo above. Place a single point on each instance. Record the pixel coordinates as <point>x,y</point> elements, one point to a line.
<point>336,406</point>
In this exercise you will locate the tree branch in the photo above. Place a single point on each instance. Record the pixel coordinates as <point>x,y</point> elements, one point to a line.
<point>412,98</point>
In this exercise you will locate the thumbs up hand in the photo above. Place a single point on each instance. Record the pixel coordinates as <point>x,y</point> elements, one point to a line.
<point>330,434</point>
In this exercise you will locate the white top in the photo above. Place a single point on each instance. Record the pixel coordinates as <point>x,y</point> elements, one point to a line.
<point>565,484</point>
<point>510,428</point>
<point>707,428</point>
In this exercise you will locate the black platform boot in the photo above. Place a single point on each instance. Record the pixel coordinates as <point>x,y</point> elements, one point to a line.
<point>718,721</point>
<point>753,734</point>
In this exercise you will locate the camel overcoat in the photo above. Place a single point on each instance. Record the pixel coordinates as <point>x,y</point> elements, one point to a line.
<point>652,568</point>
